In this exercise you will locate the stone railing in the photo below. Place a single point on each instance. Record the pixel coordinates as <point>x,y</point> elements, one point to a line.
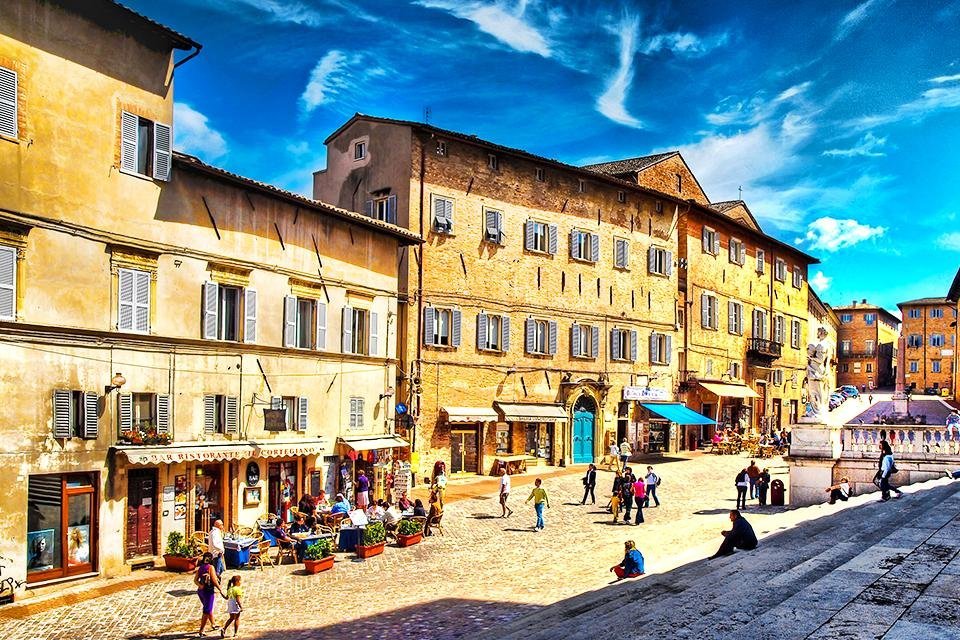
<point>907,441</point>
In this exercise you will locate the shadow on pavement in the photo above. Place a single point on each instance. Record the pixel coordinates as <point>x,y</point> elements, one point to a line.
<point>182,593</point>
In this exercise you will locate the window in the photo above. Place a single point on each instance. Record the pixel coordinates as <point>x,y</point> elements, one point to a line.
<point>795,334</point>
<point>442,209</point>
<point>541,337</point>
<point>658,206</point>
<point>846,318</point>
<point>845,368</point>
<point>144,146</point>
<point>503,438</point>
<point>623,345</point>
<point>914,366</point>
<point>760,324</point>
<point>779,330</point>
<point>584,341</point>
<point>493,226</point>
<point>584,245</point>
<point>8,283</point>
<point>734,370</point>
<point>710,241</point>
<point>493,162</point>
<point>776,377</point>
<point>133,300</point>
<point>540,237</point>
<point>935,366</point>
<point>8,102</point>
<point>359,331</point>
<point>541,174</point>
<point>914,313</point>
<point>75,414</point>
<point>780,270</point>
<point>303,327</point>
<point>441,148</point>
<point>144,413</point>
<point>382,208</point>
<point>228,311</point>
<point>914,340</point>
<point>221,414</point>
<point>661,348</point>
<point>621,253</point>
<point>869,347</point>
<point>679,183</point>
<point>869,367</point>
<point>493,332</point>
<point>761,256</point>
<point>936,340</point>
<point>62,531</point>
<point>659,261</point>
<point>708,311</point>
<point>708,368</point>
<point>441,327</point>
<point>845,347</point>
<point>296,411</point>
<point>359,150</point>
<point>936,313</point>
<point>356,417</point>
<point>581,186</point>
<point>797,278</point>
<point>738,252</point>
<point>869,318</point>
<point>735,317</point>
<point>621,196</point>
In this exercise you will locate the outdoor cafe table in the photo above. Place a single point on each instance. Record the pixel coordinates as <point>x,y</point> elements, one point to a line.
<point>350,538</point>
<point>237,551</point>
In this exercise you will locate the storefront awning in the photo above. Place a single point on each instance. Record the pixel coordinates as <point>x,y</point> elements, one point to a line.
<point>729,390</point>
<point>470,414</point>
<point>292,448</point>
<point>676,412</point>
<point>532,412</point>
<point>369,443</point>
<point>172,454</point>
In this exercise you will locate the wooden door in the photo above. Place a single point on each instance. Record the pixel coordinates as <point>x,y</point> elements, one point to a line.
<point>141,512</point>
<point>463,451</point>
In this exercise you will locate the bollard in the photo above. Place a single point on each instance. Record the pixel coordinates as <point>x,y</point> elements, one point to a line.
<point>777,493</point>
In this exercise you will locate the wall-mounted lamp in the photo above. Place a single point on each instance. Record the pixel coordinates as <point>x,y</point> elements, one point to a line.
<point>387,394</point>
<point>115,383</point>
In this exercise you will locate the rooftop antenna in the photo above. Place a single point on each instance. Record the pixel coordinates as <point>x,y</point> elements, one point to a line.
<point>740,193</point>
<point>426,115</point>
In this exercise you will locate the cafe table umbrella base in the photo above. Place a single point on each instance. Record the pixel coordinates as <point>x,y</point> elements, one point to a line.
<point>364,551</point>
<point>316,566</point>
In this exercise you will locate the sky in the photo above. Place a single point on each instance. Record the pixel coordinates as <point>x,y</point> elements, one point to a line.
<point>840,121</point>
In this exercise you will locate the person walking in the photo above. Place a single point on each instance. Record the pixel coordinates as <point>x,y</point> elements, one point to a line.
<point>632,564</point>
<point>625,453</point>
<point>540,502</point>
<point>363,487</point>
<point>208,584</point>
<point>740,536</point>
<point>234,598</point>
<point>753,472</point>
<point>639,497</point>
<point>763,483</point>
<point>216,547</point>
<point>887,468</point>
<point>652,481</point>
<point>589,484</point>
<point>504,493</point>
<point>742,482</point>
<point>614,454</point>
<point>615,496</point>
<point>626,493</point>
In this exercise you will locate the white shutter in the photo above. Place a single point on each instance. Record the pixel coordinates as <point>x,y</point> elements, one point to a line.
<point>652,260</point>
<point>731,317</point>
<point>615,344</point>
<point>552,233</point>
<point>716,243</point>
<point>129,126</point>
<point>125,299</point>
<point>302,413</point>
<point>249,315</point>
<point>732,250</point>
<point>633,345</point>
<point>575,340</point>
<point>211,319</point>
<point>705,240</point>
<point>574,245</point>
<point>8,103</point>
<point>668,263</point>
<point>704,310</point>
<point>594,247</point>
<point>161,151</point>
<point>232,414</point>
<point>163,413</point>
<point>8,283</point>
<point>448,214</point>
<point>455,317</point>
<point>91,415</point>
<point>392,209</point>
<point>209,414</point>
<point>346,330</point>
<point>289,321</point>
<point>353,414</point>
<point>321,325</point>
<point>374,334</point>
<point>482,342</point>
<point>595,341</point>
<point>141,301</point>
<point>429,325</point>
<point>552,338</point>
<point>531,337</point>
<point>529,235</point>
<point>125,412</point>
<point>654,348</point>
<point>505,324</point>
<point>61,413</point>
<point>668,347</point>
<point>276,402</point>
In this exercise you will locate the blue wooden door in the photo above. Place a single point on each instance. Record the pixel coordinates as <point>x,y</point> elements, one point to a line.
<point>582,437</point>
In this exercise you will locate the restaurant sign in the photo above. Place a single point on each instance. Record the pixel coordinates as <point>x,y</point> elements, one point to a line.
<point>644,393</point>
<point>275,419</point>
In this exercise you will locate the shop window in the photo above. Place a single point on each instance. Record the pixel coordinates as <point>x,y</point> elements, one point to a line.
<point>61,526</point>
<point>504,444</point>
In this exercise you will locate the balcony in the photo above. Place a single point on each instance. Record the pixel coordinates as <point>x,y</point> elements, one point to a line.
<point>763,349</point>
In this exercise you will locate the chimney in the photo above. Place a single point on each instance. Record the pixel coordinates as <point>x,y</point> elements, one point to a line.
<point>864,301</point>
<point>854,303</point>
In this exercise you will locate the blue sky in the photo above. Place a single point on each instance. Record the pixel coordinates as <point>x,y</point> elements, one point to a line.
<point>840,120</point>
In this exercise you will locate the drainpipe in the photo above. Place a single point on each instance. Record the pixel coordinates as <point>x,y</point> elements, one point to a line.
<point>417,370</point>
<point>194,54</point>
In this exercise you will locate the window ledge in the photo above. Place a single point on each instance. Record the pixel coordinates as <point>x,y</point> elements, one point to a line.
<point>441,347</point>
<point>137,175</point>
<point>9,139</point>
<point>582,260</point>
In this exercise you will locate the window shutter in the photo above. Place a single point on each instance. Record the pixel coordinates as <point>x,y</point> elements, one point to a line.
<point>552,338</point>
<point>8,283</point>
<point>161,151</point>
<point>368,208</point>
<point>668,263</point>
<point>302,412</point>
<point>289,321</point>
<point>346,330</point>
<point>61,413</point>
<point>716,243</point>
<point>455,317</point>
<point>141,301</point>
<point>731,317</point>
<point>633,345</point>
<point>528,235</point>
<point>705,240</point>
<point>374,334</point>
<point>125,299</point>
<point>500,227</point>
<point>8,103</point>
<point>91,415</point>
<point>353,414</point>
<point>505,323</point>
<point>594,247</point>
<point>429,325</point>
<point>574,245</point>
<point>209,414</point>
<point>654,348</point>
<point>392,209</point>
<point>622,253</point>
<point>321,325</point>
<point>125,412</point>
<point>595,341</point>
<point>552,233</point>
<point>360,413</point>
<point>249,315</point>
<point>668,346</point>
<point>733,251</point>
<point>211,320</point>
<point>232,411</point>
<point>704,310</point>
<point>163,413</point>
<point>482,342</point>
<point>129,124</point>
<point>531,330</point>
<point>491,228</point>
<point>448,216</point>
<point>652,260</point>
<point>575,340</point>
<point>615,344</point>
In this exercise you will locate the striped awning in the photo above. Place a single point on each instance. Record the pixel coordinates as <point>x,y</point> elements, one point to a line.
<point>532,412</point>
<point>370,443</point>
<point>173,454</point>
<point>470,414</point>
<point>726,390</point>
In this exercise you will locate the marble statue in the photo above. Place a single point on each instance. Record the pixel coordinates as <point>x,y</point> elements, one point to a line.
<point>818,368</point>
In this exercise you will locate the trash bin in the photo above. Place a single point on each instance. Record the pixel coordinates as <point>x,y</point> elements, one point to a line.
<point>777,493</point>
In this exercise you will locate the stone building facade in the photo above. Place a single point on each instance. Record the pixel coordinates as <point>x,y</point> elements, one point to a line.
<point>930,343</point>
<point>867,347</point>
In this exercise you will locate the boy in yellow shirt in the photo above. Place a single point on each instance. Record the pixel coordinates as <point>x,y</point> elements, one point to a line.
<point>540,500</point>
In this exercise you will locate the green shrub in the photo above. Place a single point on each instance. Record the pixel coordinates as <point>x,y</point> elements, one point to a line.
<point>319,549</point>
<point>409,527</point>
<point>374,534</point>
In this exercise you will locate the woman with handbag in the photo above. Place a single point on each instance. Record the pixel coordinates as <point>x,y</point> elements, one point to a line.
<point>589,484</point>
<point>887,468</point>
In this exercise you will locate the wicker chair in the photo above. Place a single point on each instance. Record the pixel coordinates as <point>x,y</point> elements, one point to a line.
<point>434,524</point>
<point>242,530</point>
<point>285,550</point>
<point>259,554</point>
<point>333,520</point>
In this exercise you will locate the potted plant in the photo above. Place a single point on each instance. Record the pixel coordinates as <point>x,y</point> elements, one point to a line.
<point>409,532</point>
<point>180,555</point>
<point>373,541</point>
<point>318,556</point>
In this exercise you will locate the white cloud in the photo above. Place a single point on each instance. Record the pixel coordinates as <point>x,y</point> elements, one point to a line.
<point>930,101</point>
<point>193,134</point>
<point>685,44</point>
<point>866,147</point>
<point>758,108</point>
<point>943,79</point>
<point>793,92</point>
<point>324,81</point>
<point>949,241</point>
<point>508,26</point>
<point>832,234</point>
<point>611,102</point>
<point>850,21</point>
<point>285,11</point>
<point>820,282</point>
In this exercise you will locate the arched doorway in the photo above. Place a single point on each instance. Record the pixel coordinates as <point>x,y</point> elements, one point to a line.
<point>584,419</point>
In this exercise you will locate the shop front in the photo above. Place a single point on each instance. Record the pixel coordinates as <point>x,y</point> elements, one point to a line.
<point>62,527</point>
<point>374,455</point>
<point>673,427</point>
<point>533,430</point>
<point>733,402</point>
<point>469,428</point>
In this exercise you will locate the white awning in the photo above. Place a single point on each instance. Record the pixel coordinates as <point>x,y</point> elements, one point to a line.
<point>729,390</point>
<point>369,443</point>
<point>470,414</point>
<point>291,448</point>
<point>532,412</point>
<point>201,452</point>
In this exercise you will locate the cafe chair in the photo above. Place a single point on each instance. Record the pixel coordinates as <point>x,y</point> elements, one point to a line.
<point>334,520</point>
<point>242,530</point>
<point>324,532</point>
<point>435,524</point>
<point>285,550</point>
<point>259,554</point>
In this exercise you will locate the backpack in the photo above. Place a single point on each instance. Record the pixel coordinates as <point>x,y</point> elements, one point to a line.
<point>659,480</point>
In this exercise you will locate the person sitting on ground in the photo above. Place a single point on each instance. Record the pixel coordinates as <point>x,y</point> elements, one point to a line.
<point>404,502</point>
<point>740,536</point>
<point>955,474</point>
<point>632,564</point>
<point>839,491</point>
<point>341,505</point>
<point>418,509</point>
<point>436,512</point>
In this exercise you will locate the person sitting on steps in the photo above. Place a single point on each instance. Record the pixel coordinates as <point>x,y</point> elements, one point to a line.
<point>740,536</point>
<point>839,491</point>
<point>632,564</point>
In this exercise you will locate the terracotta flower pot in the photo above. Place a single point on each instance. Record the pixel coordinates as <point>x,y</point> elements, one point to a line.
<point>316,566</point>
<point>373,550</point>
<point>410,540</point>
<point>179,563</point>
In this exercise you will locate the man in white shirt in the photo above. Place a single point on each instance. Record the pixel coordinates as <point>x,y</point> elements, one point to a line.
<point>651,481</point>
<point>215,546</point>
<point>614,456</point>
<point>504,493</point>
<point>625,453</point>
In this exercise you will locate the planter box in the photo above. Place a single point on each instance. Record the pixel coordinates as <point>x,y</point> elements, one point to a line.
<point>373,550</point>
<point>179,563</point>
<point>316,566</point>
<point>407,541</point>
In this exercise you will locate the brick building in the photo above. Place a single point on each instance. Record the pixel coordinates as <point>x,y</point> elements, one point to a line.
<point>867,348</point>
<point>930,341</point>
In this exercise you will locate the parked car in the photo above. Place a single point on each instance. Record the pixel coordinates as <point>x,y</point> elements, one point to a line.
<point>849,391</point>
<point>836,399</point>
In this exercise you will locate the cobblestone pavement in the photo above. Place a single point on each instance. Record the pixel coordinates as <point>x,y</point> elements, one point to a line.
<point>484,571</point>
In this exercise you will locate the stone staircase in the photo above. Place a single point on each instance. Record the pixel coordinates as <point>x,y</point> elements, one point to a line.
<point>874,570</point>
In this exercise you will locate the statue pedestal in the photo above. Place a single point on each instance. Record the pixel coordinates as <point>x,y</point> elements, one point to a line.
<point>814,451</point>
<point>901,405</point>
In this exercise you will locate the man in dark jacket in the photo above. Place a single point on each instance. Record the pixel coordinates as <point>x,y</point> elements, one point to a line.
<point>589,484</point>
<point>626,493</point>
<point>740,536</point>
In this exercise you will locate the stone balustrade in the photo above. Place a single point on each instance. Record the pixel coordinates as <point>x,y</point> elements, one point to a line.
<point>907,441</point>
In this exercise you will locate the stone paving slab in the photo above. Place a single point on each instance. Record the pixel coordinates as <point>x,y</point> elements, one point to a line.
<point>906,630</point>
